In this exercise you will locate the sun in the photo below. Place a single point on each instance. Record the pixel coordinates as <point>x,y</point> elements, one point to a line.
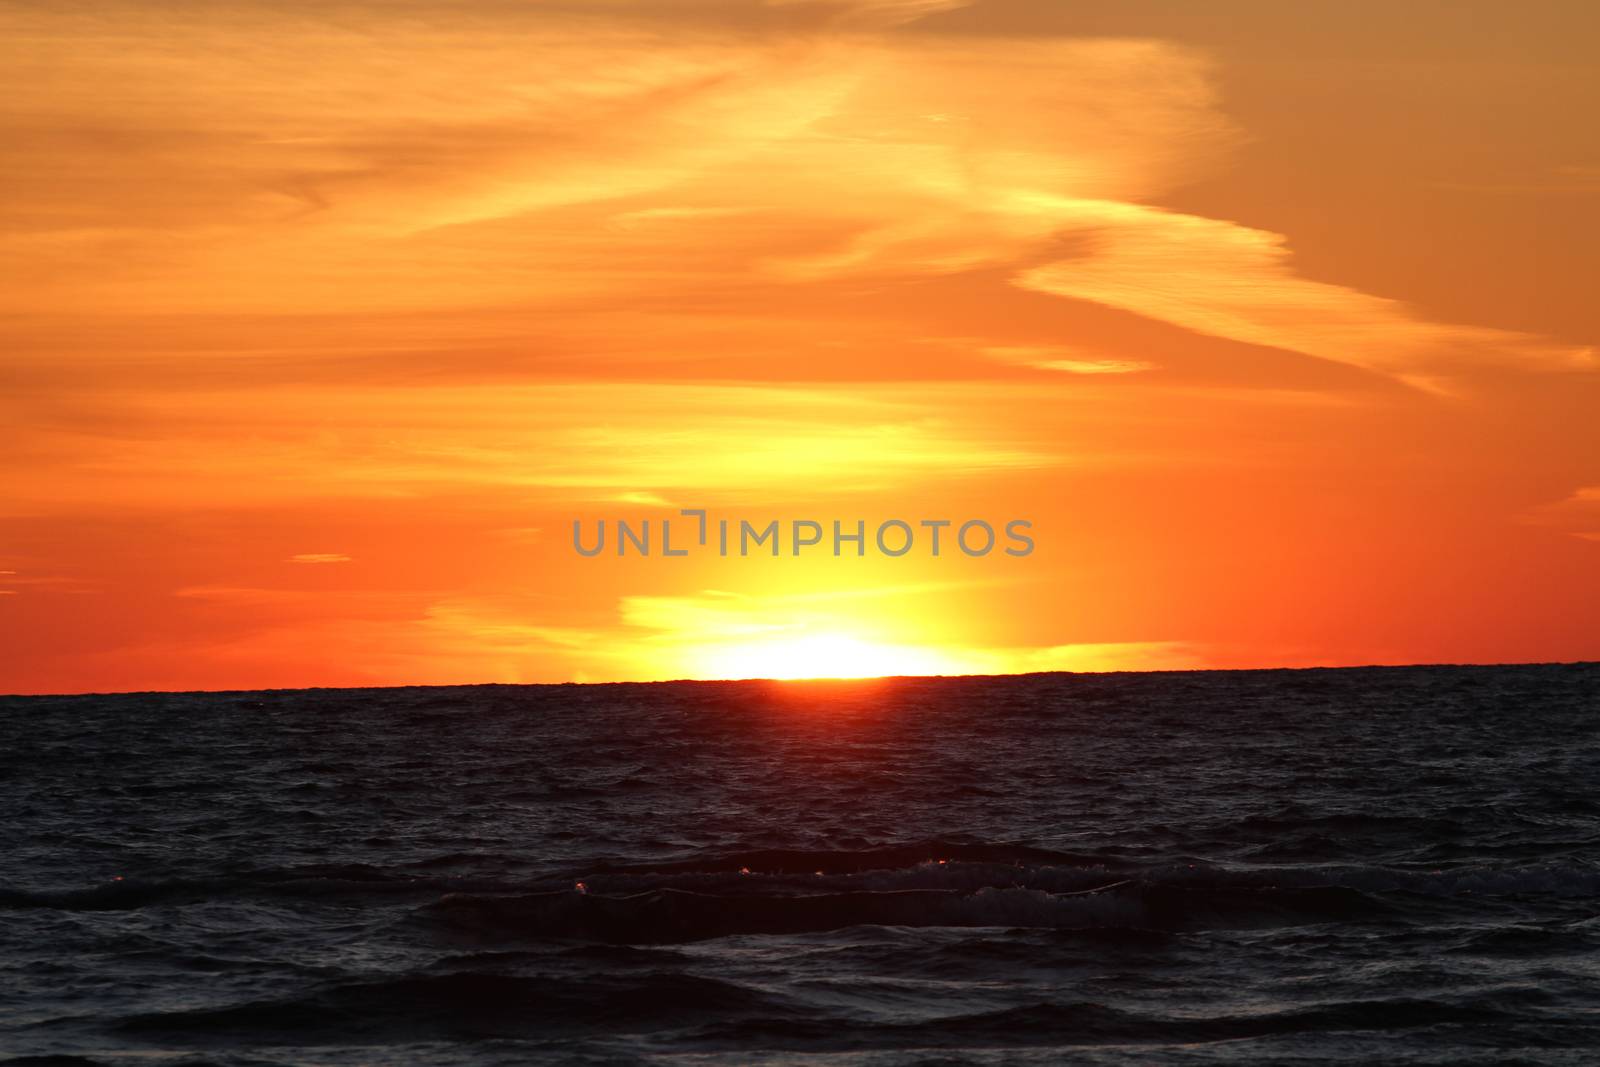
<point>826,655</point>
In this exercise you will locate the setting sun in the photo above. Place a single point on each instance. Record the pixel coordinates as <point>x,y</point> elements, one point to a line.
<point>830,655</point>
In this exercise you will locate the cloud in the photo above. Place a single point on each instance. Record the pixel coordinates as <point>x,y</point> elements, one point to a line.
<point>1578,514</point>
<point>956,154</point>
<point>873,14</point>
<point>641,499</point>
<point>710,617</point>
<point>572,440</point>
<point>319,557</point>
<point>1227,280</point>
<point>383,124</point>
<point>50,582</point>
<point>631,220</point>
<point>565,156</point>
<point>376,162</point>
<point>1064,360</point>
<point>1578,180</point>
<point>712,614</point>
<point>867,630</point>
<point>245,596</point>
<point>1107,656</point>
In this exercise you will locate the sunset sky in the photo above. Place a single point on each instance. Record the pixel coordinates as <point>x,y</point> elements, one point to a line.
<point>322,322</point>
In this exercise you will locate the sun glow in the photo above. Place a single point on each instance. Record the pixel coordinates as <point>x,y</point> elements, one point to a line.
<point>825,655</point>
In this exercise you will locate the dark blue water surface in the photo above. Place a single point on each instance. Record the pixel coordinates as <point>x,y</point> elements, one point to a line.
<point>1360,866</point>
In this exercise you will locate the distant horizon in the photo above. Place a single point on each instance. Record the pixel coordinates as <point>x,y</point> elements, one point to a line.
<point>801,681</point>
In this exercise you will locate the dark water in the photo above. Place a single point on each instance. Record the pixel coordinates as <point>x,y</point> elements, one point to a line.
<point>1311,866</point>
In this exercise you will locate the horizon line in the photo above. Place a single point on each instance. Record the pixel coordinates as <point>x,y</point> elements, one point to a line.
<point>795,681</point>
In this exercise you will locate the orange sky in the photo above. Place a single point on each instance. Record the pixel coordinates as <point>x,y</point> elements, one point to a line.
<point>322,322</point>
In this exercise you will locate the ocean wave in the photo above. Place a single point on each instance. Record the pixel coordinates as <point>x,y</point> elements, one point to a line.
<point>408,1008</point>
<point>329,882</point>
<point>945,866</point>
<point>1090,1023</point>
<point>711,897</point>
<point>674,915</point>
<point>861,881</point>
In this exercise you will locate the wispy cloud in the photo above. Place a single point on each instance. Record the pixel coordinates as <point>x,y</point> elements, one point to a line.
<point>1065,360</point>
<point>1578,514</point>
<point>640,499</point>
<point>561,156</point>
<point>718,635</point>
<point>47,582</point>
<point>1227,280</point>
<point>1569,180</point>
<point>643,442</point>
<point>242,595</point>
<point>318,557</point>
<point>873,14</point>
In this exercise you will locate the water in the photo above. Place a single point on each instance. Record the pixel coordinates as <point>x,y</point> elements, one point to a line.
<point>1233,867</point>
